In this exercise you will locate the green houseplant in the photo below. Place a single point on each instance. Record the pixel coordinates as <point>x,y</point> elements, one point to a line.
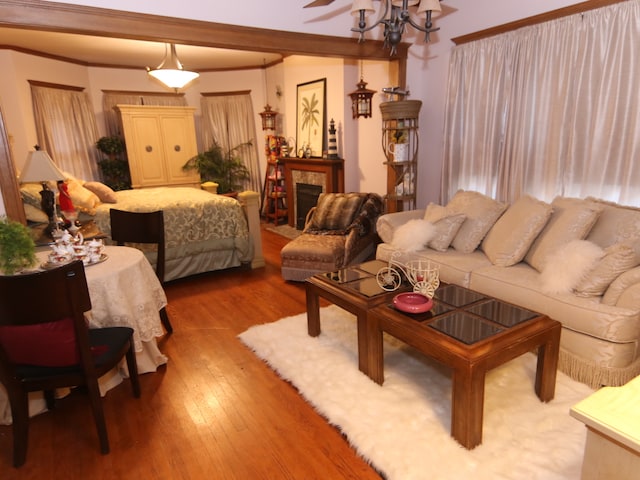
<point>222,167</point>
<point>115,170</point>
<point>17,250</point>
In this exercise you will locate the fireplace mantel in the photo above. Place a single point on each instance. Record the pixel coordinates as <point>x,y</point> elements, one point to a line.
<point>331,170</point>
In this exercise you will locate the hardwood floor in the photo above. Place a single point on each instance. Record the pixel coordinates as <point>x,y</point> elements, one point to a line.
<point>214,412</point>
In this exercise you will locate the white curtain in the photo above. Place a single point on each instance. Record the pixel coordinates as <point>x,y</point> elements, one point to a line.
<point>228,120</point>
<point>548,110</point>
<point>111,99</point>
<point>66,129</point>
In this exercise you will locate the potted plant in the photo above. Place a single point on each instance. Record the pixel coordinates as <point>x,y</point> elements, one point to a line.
<point>17,250</point>
<point>115,170</point>
<point>222,167</point>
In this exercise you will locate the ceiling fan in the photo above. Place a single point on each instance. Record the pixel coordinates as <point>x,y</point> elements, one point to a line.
<point>318,3</point>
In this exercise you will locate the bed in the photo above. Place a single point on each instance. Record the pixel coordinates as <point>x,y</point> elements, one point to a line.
<point>203,231</point>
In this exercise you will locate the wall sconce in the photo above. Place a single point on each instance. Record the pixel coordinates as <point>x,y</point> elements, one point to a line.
<point>268,118</point>
<point>361,99</point>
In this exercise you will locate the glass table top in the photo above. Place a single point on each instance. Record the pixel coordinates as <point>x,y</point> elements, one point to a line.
<point>469,316</point>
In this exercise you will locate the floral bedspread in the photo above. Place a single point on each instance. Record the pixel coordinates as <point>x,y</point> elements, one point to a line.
<point>194,220</point>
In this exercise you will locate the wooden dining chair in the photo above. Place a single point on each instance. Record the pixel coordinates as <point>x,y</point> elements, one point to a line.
<point>142,227</point>
<point>45,344</point>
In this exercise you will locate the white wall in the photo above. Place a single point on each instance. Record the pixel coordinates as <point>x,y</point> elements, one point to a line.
<point>426,75</point>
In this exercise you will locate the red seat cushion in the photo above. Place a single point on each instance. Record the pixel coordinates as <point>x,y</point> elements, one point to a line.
<point>51,344</point>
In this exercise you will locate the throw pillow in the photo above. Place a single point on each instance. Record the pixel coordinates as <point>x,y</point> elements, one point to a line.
<point>413,235</point>
<point>620,285</point>
<point>568,265</point>
<point>104,193</point>
<point>481,213</point>
<point>572,219</point>
<point>616,224</point>
<point>83,200</point>
<point>511,236</point>
<point>447,226</point>
<point>617,259</point>
<point>335,211</point>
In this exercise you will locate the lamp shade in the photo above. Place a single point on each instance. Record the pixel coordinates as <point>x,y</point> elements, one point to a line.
<point>171,72</point>
<point>366,5</point>
<point>40,168</point>
<point>429,5</point>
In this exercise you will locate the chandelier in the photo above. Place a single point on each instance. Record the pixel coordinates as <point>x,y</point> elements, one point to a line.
<point>395,15</point>
<point>171,72</point>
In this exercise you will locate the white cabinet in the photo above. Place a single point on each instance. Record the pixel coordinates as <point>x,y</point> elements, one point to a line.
<point>159,142</point>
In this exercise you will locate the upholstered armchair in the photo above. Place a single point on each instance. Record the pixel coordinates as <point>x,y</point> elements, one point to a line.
<point>339,231</point>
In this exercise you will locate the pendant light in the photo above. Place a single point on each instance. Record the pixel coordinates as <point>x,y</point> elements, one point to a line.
<point>171,72</point>
<point>361,98</point>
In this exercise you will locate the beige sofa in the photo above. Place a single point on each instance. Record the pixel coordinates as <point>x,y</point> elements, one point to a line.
<point>575,260</point>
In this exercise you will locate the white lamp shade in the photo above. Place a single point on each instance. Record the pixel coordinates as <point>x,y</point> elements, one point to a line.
<point>174,78</point>
<point>171,73</point>
<point>398,3</point>
<point>40,168</point>
<point>426,5</point>
<point>366,5</point>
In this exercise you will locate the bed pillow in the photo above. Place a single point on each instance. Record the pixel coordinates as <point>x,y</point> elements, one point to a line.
<point>617,259</point>
<point>511,236</point>
<point>568,265</point>
<point>335,211</point>
<point>481,213</point>
<point>83,200</point>
<point>104,193</point>
<point>35,214</point>
<point>446,224</point>
<point>572,219</point>
<point>30,194</point>
<point>413,235</point>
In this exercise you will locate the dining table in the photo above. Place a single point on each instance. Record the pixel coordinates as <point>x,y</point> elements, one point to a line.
<point>124,291</point>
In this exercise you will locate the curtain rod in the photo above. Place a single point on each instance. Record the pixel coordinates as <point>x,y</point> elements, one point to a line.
<point>535,19</point>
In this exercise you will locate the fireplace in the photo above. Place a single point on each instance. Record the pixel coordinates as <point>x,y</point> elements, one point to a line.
<point>306,198</point>
<point>327,174</point>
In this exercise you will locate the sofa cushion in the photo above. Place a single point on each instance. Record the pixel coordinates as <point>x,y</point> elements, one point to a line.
<point>572,219</point>
<point>481,212</point>
<point>513,233</point>
<point>520,285</point>
<point>447,225</point>
<point>454,266</point>
<point>335,211</point>
<point>413,235</point>
<point>617,259</point>
<point>568,265</point>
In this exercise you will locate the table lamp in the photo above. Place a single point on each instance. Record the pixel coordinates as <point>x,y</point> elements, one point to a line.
<point>40,168</point>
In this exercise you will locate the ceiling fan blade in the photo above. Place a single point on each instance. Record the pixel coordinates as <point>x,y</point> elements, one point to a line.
<point>318,3</point>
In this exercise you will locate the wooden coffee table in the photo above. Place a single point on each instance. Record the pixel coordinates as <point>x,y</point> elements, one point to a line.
<point>471,334</point>
<point>356,290</point>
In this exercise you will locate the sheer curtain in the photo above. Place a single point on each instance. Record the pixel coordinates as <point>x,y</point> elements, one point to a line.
<point>66,128</point>
<point>228,120</point>
<point>112,98</point>
<point>548,110</point>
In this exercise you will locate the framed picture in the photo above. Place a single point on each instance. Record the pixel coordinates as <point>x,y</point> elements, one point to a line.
<point>311,120</point>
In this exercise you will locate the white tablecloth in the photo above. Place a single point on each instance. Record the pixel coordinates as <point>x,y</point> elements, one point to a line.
<point>124,291</point>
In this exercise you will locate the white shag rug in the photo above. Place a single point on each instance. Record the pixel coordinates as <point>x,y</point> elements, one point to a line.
<point>403,427</point>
